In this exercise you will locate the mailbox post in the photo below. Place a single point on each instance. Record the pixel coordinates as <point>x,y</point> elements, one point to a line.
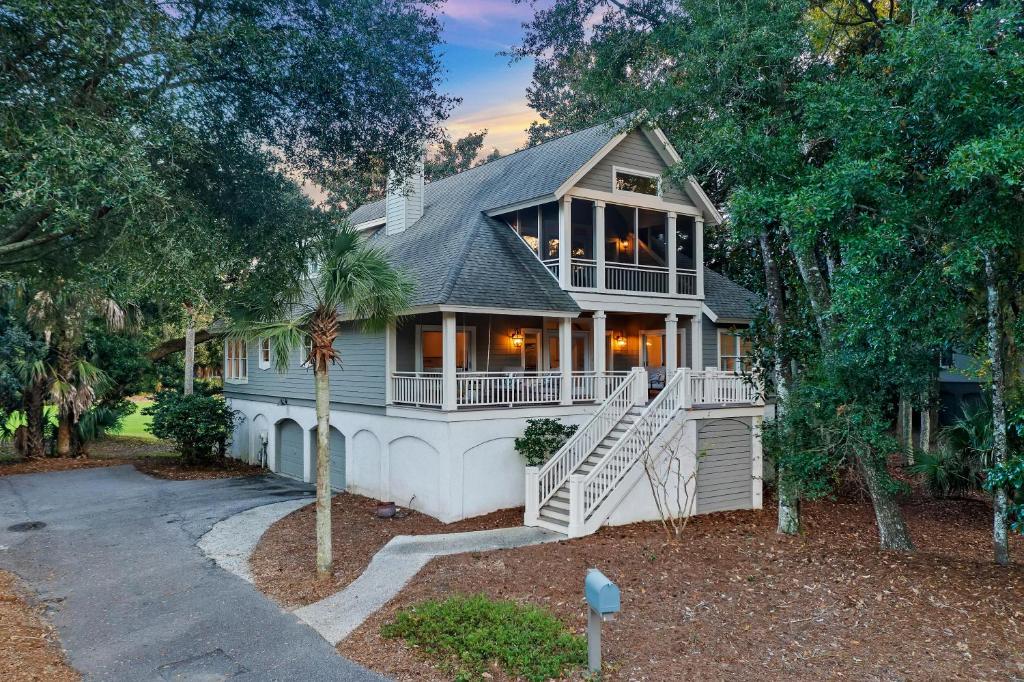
<point>603,598</point>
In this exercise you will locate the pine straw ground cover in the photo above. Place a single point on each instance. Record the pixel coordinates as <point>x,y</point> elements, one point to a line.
<point>29,649</point>
<point>283,563</point>
<point>733,600</point>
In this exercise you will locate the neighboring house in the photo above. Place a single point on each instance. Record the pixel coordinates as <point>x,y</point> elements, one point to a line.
<point>959,385</point>
<point>563,281</point>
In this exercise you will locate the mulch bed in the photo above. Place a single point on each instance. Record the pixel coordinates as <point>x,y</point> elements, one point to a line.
<point>734,600</point>
<point>284,560</point>
<point>153,458</point>
<point>29,648</point>
<point>171,468</point>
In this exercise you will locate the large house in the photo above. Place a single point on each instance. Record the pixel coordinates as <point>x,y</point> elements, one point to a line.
<point>563,281</point>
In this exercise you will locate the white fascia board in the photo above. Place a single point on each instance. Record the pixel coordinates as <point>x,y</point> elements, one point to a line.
<point>589,165</point>
<point>536,201</point>
<point>507,311</point>
<point>671,157</point>
<point>367,224</point>
<point>709,312</point>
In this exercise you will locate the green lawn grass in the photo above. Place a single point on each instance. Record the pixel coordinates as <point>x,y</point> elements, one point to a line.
<point>465,634</point>
<point>134,425</point>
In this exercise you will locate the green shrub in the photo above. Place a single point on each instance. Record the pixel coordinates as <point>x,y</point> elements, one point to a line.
<point>947,472</point>
<point>102,419</point>
<point>542,439</point>
<point>465,634</point>
<point>200,426</point>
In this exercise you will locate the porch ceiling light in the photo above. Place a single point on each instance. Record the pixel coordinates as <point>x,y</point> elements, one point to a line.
<point>620,341</point>
<point>517,337</point>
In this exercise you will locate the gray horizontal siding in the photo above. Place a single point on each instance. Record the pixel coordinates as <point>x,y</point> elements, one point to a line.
<point>710,333</point>
<point>357,380</point>
<point>636,152</point>
<point>724,470</point>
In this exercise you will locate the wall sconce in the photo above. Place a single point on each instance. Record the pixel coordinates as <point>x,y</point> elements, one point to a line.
<point>517,337</point>
<point>620,341</point>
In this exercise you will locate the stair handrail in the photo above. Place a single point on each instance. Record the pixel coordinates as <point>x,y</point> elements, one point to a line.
<point>627,451</point>
<point>556,471</point>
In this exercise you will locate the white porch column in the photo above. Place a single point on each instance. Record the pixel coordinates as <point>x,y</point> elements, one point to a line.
<point>599,245</point>
<point>698,254</point>
<point>673,280</point>
<point>565,357</point>
<point>448,332</point>
<point>600,324</point>
<point>564,241</point>
<point>391,360</point>
<point>696,343</point>
<point>671,343</point>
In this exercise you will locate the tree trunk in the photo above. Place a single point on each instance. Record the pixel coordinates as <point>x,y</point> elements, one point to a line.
<point>999,441</point>
<point>65,423</point>
<point>789,503</point>
<point>190,353</point>
<point>892,530</point>
<point>906,429</point>
<point>33,441</point>
<point>925,441</point>
<point>323,471</point>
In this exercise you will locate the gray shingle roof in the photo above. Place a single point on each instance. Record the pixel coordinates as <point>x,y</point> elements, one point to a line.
<point>456,255</point>
<point>727,299</point>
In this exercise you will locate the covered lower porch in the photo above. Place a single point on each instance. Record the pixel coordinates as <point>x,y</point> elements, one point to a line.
<point>457,361</point>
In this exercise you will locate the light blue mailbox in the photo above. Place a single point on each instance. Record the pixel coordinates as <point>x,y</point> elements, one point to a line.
<point>602,594</point>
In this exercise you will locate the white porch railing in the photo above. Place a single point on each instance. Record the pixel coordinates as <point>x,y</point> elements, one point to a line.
<point>652,279</point>
<point>502,389</point>
<point>686,282</point>
<point>722,388</point>
<point>587,492</point>
<point>556,471</point>
<point>552,265</point>
<point>590,386</point>
<point>483,389</point>
<point>422,389</point>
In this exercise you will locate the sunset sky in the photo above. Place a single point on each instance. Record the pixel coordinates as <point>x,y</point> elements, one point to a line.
<point>493,91</point>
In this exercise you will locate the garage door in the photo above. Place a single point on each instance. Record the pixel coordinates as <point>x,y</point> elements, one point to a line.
<point>337,458</point>
<point>724,470</point>
<point>289,449</point>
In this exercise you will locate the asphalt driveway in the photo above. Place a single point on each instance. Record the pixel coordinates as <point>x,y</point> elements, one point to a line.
<point>133,597</point>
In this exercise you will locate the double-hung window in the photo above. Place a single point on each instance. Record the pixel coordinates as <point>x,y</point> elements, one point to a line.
<point>733,351</point>
<point>236,362</point>
<point>264,353</point>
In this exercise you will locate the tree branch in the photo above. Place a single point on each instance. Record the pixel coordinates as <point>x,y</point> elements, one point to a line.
<point>177,345</point>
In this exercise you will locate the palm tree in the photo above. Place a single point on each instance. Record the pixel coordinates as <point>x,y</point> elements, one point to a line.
<point>61,315</point>
<point>353,279</point>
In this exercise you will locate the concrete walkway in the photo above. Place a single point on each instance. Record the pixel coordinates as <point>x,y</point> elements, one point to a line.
<point>231,542</point>
<point>131,595</point>
<point>336,616</point>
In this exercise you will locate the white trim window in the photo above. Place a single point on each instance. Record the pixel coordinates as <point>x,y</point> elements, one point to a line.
<point>264,354</point>
<point>733,351</point>
<point>429,348</point>
<point>236,362</point>
<point>631,181</point>
<point>305,350</point>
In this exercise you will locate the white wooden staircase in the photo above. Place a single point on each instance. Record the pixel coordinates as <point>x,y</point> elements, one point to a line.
<point>576,490</point>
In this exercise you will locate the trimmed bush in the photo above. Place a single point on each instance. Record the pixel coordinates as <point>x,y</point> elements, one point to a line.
<point>542,439</point>
<point>465,634</point>
<point>200,426</point>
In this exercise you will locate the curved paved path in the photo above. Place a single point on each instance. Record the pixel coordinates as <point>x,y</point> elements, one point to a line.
<point>133,597</point>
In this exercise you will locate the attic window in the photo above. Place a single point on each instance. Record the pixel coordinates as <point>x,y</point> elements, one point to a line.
<point>637,182</point>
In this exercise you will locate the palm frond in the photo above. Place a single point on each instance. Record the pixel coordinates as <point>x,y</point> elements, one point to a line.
<point>286,336</point>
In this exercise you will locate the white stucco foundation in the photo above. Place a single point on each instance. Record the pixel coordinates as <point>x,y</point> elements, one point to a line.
<point>449,465</point>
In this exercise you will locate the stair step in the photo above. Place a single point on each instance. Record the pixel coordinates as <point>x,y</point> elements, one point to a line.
<point>555,515</point>
<point>559,504</point>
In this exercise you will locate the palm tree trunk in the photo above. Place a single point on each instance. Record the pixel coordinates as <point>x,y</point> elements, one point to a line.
<point>323,471</point>
<point>34,441</point>
<point>64,426</point>
<point>1000,445</point>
